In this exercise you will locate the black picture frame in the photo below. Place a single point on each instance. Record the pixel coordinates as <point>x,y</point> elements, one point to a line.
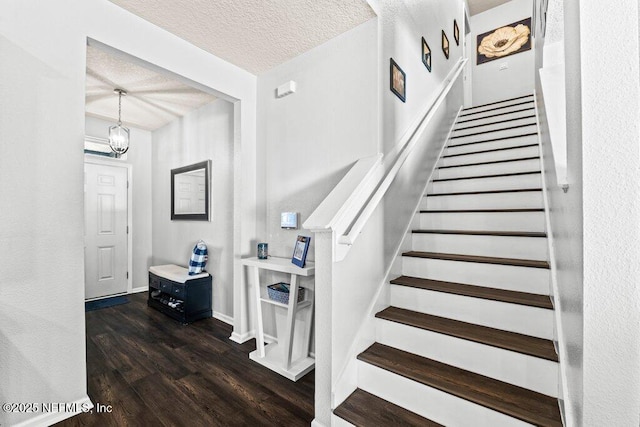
<point>456,32</point>
<point>445,45</point>
<point>426,54</point>
<point>397,80</point>
<point>300,250</point>
<point>205,167</point>
<point>481,58</point>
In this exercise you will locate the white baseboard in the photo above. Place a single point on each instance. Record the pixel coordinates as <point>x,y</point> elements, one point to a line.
<point>223,318</point>
<point>140,289</point>
<point>50,418</point>
<point>242,338</point>
<point>316,423</point>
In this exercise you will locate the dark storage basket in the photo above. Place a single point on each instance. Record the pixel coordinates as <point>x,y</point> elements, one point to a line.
<point>280,292</point>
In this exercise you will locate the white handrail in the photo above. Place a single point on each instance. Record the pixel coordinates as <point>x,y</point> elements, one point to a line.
<point>351,193</point>
<point>362,216</point>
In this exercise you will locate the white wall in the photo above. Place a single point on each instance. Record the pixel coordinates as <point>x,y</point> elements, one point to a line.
<point>489,83</point>
<point>42,80</point>
<point>309,139</point>
<point>565,209</point>
<point>401,25</point>
<point>41,231</point>
<point>594,225</point>
<point>610,93</point>
<point>139,157</point>
<point>203,134</point>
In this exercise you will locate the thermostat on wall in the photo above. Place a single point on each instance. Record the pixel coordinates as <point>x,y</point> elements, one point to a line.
<point>289,220</point>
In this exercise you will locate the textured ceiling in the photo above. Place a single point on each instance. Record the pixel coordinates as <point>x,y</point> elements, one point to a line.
<point>479,6</point>
<point>254,35</point>
<point>153,100</point>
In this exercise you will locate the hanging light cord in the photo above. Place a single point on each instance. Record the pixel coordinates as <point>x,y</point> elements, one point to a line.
<point>119,107</point>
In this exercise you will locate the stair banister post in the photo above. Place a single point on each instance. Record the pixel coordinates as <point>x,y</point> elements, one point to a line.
<point>323,326</point>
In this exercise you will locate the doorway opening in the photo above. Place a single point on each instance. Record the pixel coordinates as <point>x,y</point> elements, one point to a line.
<point>173,122</point>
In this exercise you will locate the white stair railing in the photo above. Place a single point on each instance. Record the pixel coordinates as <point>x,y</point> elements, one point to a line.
<point>351,203</point>
<point>372,206</point>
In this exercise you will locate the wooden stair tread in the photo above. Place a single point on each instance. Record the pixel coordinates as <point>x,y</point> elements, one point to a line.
<point>519,343</point>
<point>471,113</point>
<point>364,409</point>
<point>524,135</point>
<point>496,115</point>
<point>502,295</point>
<point>482,210</point>
<point>515,147</point>
<point>495,123</point>
<point>485,233</point>
<point>479,259</point>
<point>491,162</point>
<point>494,130</point>
<point>463,193</point>
<point>526,405</point>
<point>498,175</point>
<point>496,102</point>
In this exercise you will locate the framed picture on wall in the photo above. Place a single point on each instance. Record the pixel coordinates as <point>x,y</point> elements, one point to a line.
<point>300,250</point>
<point>445,45</point>
<point>398,84</point>
<point>456,32</point>
<point>426,54</point>
<point>504,41</point>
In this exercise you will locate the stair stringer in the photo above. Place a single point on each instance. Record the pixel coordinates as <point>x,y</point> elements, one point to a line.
<point>558,335</point>
<point>347,379</point>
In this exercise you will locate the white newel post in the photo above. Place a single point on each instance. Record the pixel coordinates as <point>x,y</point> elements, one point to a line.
<point>323,326</point>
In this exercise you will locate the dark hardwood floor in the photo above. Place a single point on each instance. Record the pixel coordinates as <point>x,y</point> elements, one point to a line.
<point>154,371</point>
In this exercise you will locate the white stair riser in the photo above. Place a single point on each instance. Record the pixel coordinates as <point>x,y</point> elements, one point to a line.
<point>336,421</point>
<point>473,121</point>
<point>429,402</point>
<point>494,221</point>
<point>491,145</point>
<point>491,156</point>
<point>509,277</point>
<point>526,371</point>
<point>522,319</point>
<point>471,127</point>
<point>512,182</point>
<point>490,169</point>
<point>494,135</point>
<point>502,107</point>
<point>521,200</point>
<point>495,246</point>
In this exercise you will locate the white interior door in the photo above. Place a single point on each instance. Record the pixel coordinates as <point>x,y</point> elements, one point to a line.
<point>105,242</point>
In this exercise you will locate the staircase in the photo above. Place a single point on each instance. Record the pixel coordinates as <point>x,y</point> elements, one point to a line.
<point>467,340</point>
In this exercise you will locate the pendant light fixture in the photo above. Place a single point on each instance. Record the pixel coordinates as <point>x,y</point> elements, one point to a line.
<point>118,134</point>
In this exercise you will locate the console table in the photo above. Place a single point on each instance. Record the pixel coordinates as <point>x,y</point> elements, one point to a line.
<point>178,295</point>
<point>279,356</point>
